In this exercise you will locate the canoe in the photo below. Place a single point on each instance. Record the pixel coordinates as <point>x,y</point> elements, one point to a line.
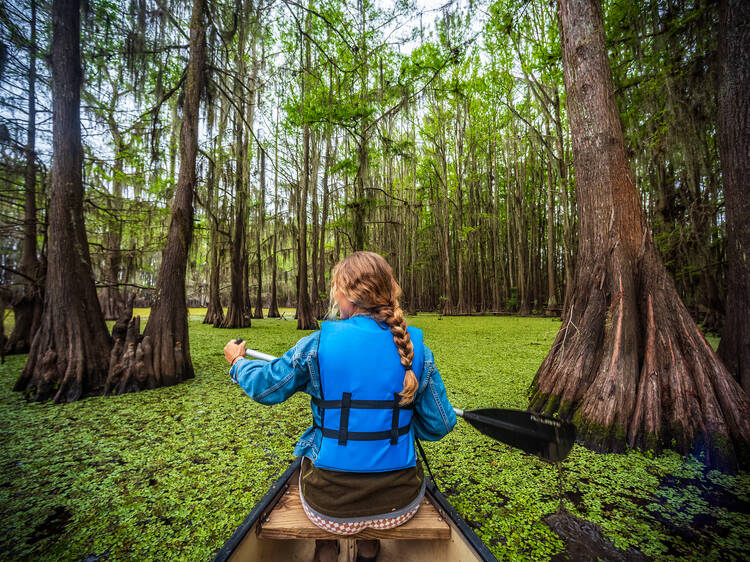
<point>278,529</point>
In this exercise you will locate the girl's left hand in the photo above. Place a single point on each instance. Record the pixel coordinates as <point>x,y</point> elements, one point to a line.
<point>233,351</point>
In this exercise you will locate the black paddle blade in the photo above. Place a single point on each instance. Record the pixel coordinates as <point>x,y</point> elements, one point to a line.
<point>547,438</point>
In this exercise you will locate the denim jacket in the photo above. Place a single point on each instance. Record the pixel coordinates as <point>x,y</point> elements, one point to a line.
<point>297,370</point>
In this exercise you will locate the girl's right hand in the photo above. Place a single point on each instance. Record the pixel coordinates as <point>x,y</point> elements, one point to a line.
<point>233,351</point>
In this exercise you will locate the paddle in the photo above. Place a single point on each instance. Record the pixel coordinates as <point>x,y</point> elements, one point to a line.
<point>547,438</point>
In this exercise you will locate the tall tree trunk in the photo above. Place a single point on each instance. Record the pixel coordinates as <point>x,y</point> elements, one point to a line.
<point>317,308</point>
<point>551,294</point>
<point>324,218</point>
<point>27,307</point>
<point>360,203</point>
<point>70,351</point>
<point>162,358</point>
<point>305,317</point>
<point>413,236</point>
<point>111,299</point>
<point>248,122</point>
<point>510,248</point>
<point>734,146</point>
<point>273,306</point>
<point>239,312</point>
<point>238,316</point>
<point>258,231</point>
<point>629,364</point>
<point>247,305</point>
<point>214,310</point>
<point>494,197</point>
<point>443,205</point>
<point>562,172</point>
<point>460,132</point>
<point>519,215</point>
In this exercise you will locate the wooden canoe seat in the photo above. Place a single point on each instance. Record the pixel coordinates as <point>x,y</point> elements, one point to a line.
<point>287,520</point>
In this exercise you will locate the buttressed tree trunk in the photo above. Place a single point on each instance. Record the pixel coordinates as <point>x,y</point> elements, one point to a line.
<point>70,350</point>
<point>629,365</point>
<point>162,358</point>
<point>734,146</point>
<point>168,322</point>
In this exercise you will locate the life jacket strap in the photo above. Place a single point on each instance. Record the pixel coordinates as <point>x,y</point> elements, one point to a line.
<point>346,404</point>
<point>363,435</point>
<point>359,404</point>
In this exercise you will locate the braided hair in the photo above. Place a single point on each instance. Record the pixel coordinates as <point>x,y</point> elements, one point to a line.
<point>367,280</point>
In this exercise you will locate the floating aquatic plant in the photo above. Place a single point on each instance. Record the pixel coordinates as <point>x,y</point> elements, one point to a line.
<point>169,474</point>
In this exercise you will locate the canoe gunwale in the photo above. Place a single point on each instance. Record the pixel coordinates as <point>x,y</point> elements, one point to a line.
<point>269,500</point>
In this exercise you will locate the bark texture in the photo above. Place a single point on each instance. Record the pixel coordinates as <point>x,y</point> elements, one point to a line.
<point>70,351</point>
<point>629,365</point>
<point>734,147</point>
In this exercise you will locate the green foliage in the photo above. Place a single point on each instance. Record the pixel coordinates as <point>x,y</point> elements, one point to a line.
<point>169,474</point>
<point>422,121</point>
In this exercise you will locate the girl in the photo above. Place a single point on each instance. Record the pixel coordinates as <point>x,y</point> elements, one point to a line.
<point>374,388</point>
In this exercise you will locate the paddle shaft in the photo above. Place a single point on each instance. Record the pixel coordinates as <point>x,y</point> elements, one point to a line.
<point>259,354</point>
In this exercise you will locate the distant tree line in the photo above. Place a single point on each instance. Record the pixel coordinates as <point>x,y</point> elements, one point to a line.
<point>449,154</point>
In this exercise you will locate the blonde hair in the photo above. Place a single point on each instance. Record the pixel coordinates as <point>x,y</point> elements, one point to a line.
<point>367,280</point>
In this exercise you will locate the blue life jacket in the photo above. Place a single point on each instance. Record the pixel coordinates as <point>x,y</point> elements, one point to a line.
<point>364,429</point>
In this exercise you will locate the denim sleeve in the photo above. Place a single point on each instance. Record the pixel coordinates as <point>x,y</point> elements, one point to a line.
<point>433,414</point>
<point>271,382</point>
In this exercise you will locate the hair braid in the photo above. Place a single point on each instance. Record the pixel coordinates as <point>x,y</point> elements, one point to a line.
<point>366,280</point>
<point>393,316</point>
